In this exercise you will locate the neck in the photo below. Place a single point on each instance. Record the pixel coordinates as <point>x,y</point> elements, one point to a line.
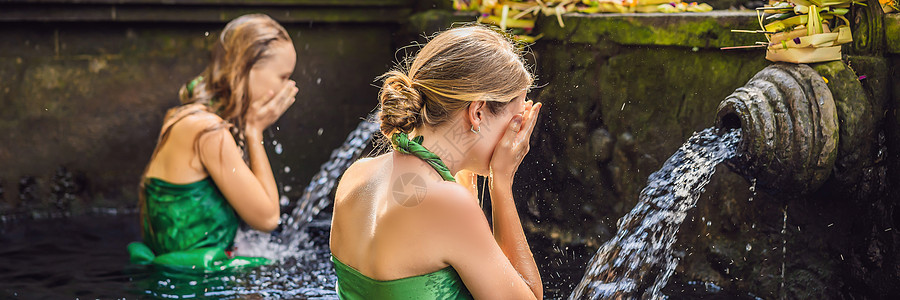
<point>440,142</point>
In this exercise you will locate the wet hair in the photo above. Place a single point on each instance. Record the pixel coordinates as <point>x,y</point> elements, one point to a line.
<point>224,84</point>
<point>455,68</point>
<point>223,87</point>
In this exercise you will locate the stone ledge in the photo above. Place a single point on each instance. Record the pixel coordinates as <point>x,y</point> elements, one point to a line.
<point>229,2</point>
<point>892,33</point>
<point>704,30</point>
<point>199,11</point>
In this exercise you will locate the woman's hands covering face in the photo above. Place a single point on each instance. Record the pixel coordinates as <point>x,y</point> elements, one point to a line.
<point>261,114</point>
<point>515,143</point>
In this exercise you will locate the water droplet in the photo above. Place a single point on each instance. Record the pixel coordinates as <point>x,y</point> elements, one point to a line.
<point>320,131</point>
<point>287,169</point>
<point>319,80</point>
<point>278,149</point>
<point>708,223</point>
<point>287,188</point>
<point>749,247</point>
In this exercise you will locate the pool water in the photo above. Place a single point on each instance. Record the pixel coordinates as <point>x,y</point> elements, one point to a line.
<point>65,258</point>
<point>84,257</point>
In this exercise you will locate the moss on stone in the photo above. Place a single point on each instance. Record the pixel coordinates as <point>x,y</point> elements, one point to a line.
<point>430,21</point>
<point>892,33</point>
<point>858,117</point>
<point>660,96</point>
<point>644,100</point>
<point>704,30</point>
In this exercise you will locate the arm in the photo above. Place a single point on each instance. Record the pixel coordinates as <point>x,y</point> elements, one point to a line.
<point>507,227</point>
<point>240,185</point>
<point>498,265</point>
<point>510,237</point>
<point>259,164</point>
<point>473,251</point>
<point>250,191</point>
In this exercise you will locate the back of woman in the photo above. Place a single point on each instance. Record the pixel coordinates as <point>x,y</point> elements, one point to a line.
<point>408,224</point>
<point>209,169</point>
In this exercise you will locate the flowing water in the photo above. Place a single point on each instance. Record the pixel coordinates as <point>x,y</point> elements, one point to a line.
<point>639,260</point>
<point>292,237</point>
<point>300,245</point>
<point>85,257</point>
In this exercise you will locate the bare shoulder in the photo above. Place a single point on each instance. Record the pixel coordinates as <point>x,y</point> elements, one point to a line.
<point>452,204</point>
<point>359,173</point>
<point>197,120</point>
<point>188,120</point>
<point>364,163</point>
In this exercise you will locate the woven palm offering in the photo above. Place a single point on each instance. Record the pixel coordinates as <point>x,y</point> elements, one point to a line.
<point>516,16</point>
<point>890,5</point>
<point>642,6</point>
<point>804,31</point>
<point>519,15</point>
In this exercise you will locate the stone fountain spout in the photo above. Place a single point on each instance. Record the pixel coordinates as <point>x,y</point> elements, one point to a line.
<point>789,126</point>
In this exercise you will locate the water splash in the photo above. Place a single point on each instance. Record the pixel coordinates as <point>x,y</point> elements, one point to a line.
<point>639,260</point>
<point>303,267</point>
<point>752,189</point>
<point>292,238</point>
<point>783,250</point>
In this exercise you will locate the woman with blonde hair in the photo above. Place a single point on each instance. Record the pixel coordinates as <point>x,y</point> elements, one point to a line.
<point>209,166</point>
<point>408,224</point>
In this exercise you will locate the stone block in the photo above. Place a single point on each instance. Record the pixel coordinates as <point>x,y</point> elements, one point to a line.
<point>703,30</point>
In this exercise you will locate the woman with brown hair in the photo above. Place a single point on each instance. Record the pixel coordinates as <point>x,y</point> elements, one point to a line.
<point>408,224</point>
<point>209,166</point>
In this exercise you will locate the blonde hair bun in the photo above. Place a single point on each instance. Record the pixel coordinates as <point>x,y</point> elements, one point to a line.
<point>457,67</point>
<point>401,104</point>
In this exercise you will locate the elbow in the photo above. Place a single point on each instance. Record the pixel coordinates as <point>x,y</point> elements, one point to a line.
<point>538,290</point>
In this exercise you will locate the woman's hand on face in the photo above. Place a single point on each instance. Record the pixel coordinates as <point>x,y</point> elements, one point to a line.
<point>261,114</point>
<point>515,143</point>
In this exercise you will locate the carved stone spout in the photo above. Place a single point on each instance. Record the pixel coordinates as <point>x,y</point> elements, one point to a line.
<point>789,128</point>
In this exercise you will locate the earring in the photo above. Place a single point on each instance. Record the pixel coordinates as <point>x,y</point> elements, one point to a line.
<point>475,131</point>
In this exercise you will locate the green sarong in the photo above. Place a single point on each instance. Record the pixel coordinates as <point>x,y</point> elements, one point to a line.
<point>188,227</point>
<point>441,284</point>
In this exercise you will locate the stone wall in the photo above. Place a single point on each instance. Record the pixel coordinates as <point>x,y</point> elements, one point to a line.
<point>619,103</point>
<point>623,92</point>
<point>84,86</point>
